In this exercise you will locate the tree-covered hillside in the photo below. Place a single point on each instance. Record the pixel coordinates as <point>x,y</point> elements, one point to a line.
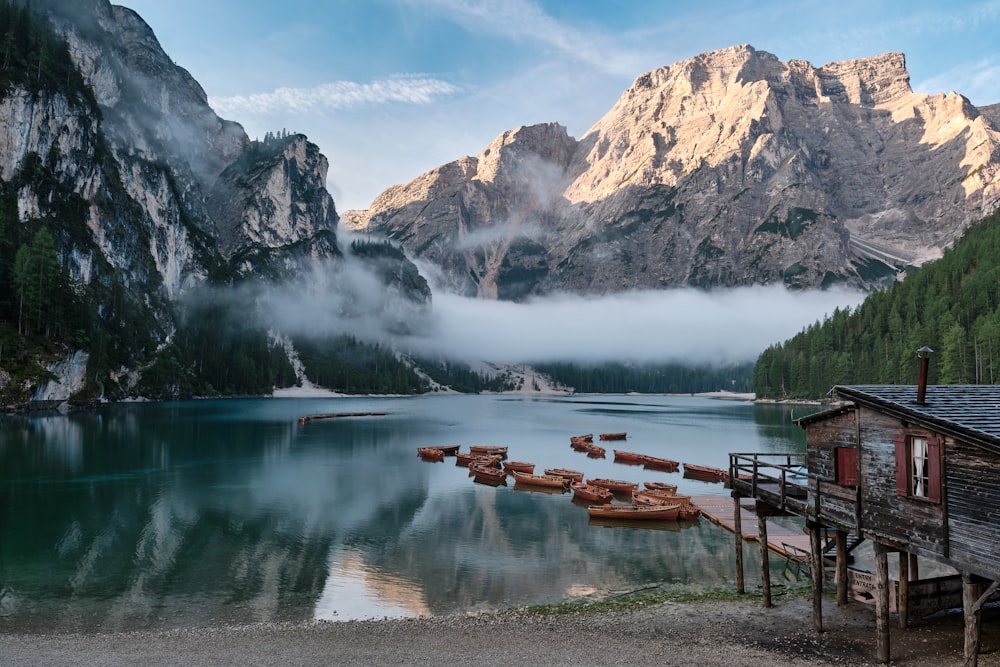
<point>951,305</point>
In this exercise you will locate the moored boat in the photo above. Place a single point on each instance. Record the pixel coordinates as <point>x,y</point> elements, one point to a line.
<point>647,497</point>
<point>572,475</point>
<point>595,451</point>
<point>487,474</point>
<point>628,457</point>
<point>430,454</point>
<point>661,486</point>
<point>489,450</point>
<point>614,436</point>
<point>667,465</point>
<point>519,466</point>
<point>614,485</point>
<point>449,450</point>
<point>632,512</point>
<point>540,480</point>
<point>689,512</point>
<point>465,458</point>
<point>705,473</point>
<point>591,493</point>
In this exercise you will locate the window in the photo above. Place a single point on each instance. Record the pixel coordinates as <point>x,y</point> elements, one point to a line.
<point>846,466</point>
<point>918,467</point>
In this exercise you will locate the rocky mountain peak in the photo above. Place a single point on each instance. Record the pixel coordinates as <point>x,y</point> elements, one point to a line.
<point>728,168</point>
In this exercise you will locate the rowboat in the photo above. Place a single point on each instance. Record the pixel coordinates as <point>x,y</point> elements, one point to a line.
<point>449,450</point>
<point>589,437</point>
<point>614,436</point>
<point>648,498</point>
<point>661,486</point>
<point>519,466</point>
<point>465,458</point>
<point>580,445</point>
<point>614,485</point>
<point>628,457</point>
<point>668,495</point>
<point>658,463</point>
<point>488,475</point>
<point>595,452</point>
<point>540,480</point>
<point>660,512</point>
<point>488,450</point>
<point>689,512</point>
<point>591,493</point>
<point>705,473</point>
<point>572,475</point>
<point>430,454</point>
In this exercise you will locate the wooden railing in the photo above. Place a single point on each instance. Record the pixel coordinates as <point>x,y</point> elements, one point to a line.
<point>780,475</point>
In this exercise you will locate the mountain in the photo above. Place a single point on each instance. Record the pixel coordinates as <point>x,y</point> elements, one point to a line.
<point>730,168</point>
<point>122,193</point>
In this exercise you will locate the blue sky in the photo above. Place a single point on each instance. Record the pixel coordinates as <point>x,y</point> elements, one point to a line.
<point>391,88</point>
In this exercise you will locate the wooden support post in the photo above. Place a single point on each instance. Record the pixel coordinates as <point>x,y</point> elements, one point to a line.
<point>881,603</point>
<point>971,590</point>
<point>841,537</point>
<point>903,601</point>
<point>738,532</point>
<point>816,572</point>
<point>765,566</point>
<point>914,568</point>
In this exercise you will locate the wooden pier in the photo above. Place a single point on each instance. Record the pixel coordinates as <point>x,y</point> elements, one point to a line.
<point>787,543</point>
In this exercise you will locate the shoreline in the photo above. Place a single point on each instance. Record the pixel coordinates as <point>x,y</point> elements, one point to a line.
<point>701,632</point>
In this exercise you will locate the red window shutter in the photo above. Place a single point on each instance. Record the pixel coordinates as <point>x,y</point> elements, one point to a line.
<point>847,466</point>
<point>934,469</point>
<point>902,466</point>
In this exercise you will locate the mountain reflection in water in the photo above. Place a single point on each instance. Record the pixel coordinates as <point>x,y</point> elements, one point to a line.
<point>232,511</point>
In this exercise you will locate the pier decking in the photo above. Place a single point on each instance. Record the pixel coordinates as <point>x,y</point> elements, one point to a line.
<point>787,543</point>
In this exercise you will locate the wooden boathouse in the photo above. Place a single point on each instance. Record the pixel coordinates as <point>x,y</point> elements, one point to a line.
<point>913,469</point>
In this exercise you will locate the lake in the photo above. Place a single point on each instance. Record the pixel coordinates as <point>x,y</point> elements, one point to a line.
<point>169,515</point>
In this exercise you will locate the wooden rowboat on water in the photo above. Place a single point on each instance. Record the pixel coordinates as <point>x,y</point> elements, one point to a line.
<point>449,450</point>
<point>548,481</point>
<point>487,475</point>
<point>689,512</point>
<point>661,486</point>
<point>572,475</point>
<point>647,497</point>
<point>631,512</point>
<point>430,454</point>
<point>628,457</point>
<point>519,466</point>
<point>614,436</point>
<point>595,451</point>
<point>489,450</point>
<point>705,473</point>
<point>591,493</point>
<point>614,485</point>
<point>658,463</point>
<point>465,458</point>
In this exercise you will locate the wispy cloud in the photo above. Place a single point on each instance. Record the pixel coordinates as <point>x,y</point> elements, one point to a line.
<point>525,20</point>
<point>336,95</point>
<point>978,81</point>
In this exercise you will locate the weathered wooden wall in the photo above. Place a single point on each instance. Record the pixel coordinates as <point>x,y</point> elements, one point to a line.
<point>972,489</point>
<point>910,521</point>
<point>836,503</point>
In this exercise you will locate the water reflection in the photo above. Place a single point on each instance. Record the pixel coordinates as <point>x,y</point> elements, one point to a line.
<point>178,515</point>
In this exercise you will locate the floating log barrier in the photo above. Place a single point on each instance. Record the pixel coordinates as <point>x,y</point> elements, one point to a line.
<point>337,415</point>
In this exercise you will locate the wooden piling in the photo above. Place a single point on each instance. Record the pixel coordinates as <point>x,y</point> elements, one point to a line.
<point>842,584</point>
<point>881,604</point>
<point>765,567</point>
<point>903,601</point>
<point>816,573</point>
<point>738,532</point>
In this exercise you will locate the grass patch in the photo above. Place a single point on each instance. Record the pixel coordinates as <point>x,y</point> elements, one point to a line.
<point>658,594</point>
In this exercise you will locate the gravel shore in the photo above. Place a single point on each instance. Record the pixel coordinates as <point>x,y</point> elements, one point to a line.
<point>728,633</point>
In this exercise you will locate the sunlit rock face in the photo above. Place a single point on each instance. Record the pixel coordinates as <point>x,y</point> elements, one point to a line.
<point>730,168</point>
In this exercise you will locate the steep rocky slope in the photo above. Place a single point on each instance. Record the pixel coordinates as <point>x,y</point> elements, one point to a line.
<point>730,168</point>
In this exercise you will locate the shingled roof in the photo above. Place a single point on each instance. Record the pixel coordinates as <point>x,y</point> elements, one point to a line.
<point>969,412</point>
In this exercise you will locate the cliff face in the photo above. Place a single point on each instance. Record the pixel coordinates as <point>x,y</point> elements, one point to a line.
<point>730,168</point>
<point>146,191</point>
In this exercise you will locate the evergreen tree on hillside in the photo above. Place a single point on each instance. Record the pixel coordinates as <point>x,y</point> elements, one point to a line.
<point>951,305</point>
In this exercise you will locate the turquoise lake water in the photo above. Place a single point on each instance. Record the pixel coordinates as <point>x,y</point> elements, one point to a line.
<point>233,511</point>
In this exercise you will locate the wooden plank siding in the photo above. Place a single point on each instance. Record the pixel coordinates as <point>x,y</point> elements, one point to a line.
<point>916,522</point>
<point>972,486</point>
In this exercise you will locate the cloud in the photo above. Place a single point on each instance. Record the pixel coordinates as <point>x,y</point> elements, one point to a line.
<point>337,95</point>
<point>520,19</point>
<point>978,81</point>
<point>679,325</point>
